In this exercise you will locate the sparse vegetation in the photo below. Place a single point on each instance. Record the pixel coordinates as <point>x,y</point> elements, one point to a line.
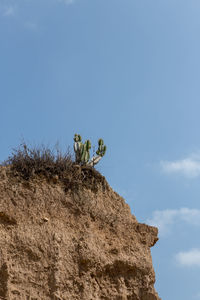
<point>82,151</point>
<point>39,160</point>
<point>29,162</point>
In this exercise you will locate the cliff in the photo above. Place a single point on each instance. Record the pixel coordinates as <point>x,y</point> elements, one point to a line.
<point>71,240</point>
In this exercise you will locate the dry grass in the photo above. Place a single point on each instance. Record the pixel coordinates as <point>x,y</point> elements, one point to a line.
<point>26,163</point>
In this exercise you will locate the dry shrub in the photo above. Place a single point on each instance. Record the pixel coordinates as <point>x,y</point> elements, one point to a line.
<point>28,162</point>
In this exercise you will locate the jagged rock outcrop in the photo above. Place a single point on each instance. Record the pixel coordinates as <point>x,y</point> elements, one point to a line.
<point>78,242</point>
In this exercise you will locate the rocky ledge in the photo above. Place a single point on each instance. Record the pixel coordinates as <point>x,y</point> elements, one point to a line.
<point>74,243</point>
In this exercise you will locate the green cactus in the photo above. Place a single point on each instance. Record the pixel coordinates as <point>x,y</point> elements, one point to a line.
<point>82,151</point>
<point>101,149</point>
<point>85,153</point>
<point>78,147</point>
<point>100,142</point>
<point>77,138</point>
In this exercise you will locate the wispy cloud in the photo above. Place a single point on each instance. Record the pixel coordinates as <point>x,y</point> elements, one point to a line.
<point>189,166</point>
<point>189,258</point>
<point>164,219</point>
<point>31,25</point>
<point>9,8</point>
<point>67,2</point>
<point>8,11</point>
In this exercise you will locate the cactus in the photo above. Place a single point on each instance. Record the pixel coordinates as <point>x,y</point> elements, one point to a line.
<point>78,146</point>
<point>100,153</point>
<point>82,151</point>
<point>85,153</point>
<point>102,148</point>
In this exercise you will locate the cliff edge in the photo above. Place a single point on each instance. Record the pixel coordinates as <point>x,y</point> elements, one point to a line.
<point>71,240</point>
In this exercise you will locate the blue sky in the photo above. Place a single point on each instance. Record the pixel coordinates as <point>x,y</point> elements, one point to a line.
<point>127,71</point>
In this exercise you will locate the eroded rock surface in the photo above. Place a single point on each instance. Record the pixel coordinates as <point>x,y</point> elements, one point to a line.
<point>71,244</point>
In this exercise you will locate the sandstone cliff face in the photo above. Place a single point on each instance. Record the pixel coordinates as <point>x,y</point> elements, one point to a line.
<point>75,243</point>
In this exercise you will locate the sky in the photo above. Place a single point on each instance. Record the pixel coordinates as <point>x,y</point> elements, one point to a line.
<point>128,72</point>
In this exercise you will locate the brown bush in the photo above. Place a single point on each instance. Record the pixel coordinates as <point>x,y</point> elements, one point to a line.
<point>28,162</point>
<point>54,165</point>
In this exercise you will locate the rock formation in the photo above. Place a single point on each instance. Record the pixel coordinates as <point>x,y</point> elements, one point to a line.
<point>73,240</point>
